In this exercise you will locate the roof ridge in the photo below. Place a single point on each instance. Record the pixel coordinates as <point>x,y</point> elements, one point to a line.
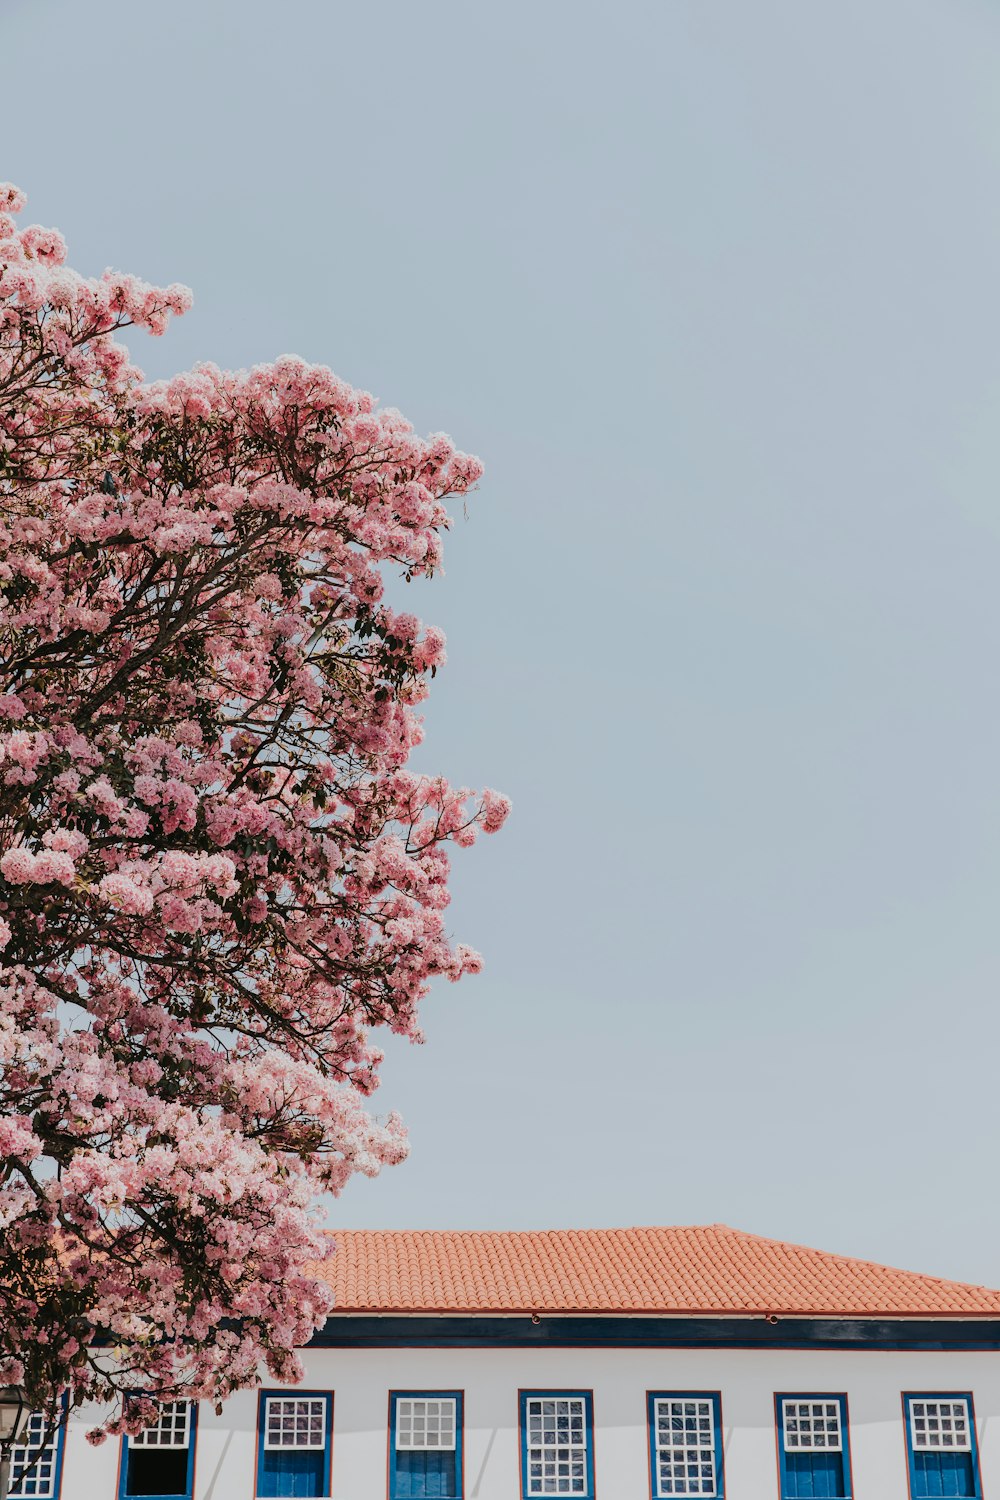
<point>555,1229</point>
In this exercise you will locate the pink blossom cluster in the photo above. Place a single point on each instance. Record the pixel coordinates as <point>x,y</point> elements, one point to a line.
<point>217,874</point>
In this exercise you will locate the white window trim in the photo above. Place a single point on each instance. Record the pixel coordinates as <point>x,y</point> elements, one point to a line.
<point>152,1437</point>
<point>405,1443</point>
<point>919,1441</point>
<point>21,1454</point>
<point>537,1486</point>
<point>658,1447</point>
<point>294,1401</point>
<point>788,1410</point>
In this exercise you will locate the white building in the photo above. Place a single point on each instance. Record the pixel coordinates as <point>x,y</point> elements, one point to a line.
<point>627,1364</point>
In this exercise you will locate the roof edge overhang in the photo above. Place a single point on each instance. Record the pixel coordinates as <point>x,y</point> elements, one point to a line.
<point>767,1314</point>
<point>525,1329</point>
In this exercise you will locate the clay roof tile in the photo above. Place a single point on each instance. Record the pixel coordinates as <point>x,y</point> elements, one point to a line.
<point>686,1270</point>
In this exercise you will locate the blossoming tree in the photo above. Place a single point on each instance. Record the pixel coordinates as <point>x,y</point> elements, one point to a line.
<point>217,875</point>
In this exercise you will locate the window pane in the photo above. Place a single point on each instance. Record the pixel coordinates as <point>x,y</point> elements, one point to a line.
<point>556,1433</point>
<point>39,1483</point>
<point>425,1423</point>
<point>940,1425</point>
<point>684,1446</point>
<point>811,1425</point>
<point>295,1422</point>
<point>170,1430</point>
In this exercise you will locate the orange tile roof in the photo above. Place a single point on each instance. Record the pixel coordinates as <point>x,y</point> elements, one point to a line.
<point>687,1270</point>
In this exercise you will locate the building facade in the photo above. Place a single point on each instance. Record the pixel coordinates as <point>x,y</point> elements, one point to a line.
<point>627,1364</point>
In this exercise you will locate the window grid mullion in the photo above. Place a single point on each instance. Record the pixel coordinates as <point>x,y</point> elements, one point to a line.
<point>171,1429</point>
<point>297,1422</point>
<point>940,1425</point>
<point>39,1484</point>
<point>684,1436</point>
<point>427,1423</point>
<point>811,1425</point>
<point>557,1445</point>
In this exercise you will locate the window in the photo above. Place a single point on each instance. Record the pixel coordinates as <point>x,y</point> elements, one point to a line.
<point>44,1475</point>
<point>425,1445</point>
<point>685,1444</point>
<point>941,1446</point>
<point>557,1443</point>
<point>294,1439</point>
<point>160,1459</point>
<point>813,1453</point>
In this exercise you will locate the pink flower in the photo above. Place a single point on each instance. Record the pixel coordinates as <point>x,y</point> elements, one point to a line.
<point>54,865</point>
<point>17,1138</point>
<point>465,961</point>
<point>496,809</point>
<point>12,201</point>
<point>431,650</point>
<point>268,586</point>
<point>44,244</point>
<point>71,840</point>
<point>222,876</point>
<point>121,892</point>
<point>17,866</point>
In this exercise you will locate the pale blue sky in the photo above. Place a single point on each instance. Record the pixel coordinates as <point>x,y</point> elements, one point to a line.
<point>712,288</point>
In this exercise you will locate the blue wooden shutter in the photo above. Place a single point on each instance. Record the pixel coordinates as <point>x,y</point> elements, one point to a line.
<point>940,1475</point>
<point>814,1476</point>
<point>294,1438</point>
<point>425,1453</point>
<point>283,1471</point>
<point>431,1476</point>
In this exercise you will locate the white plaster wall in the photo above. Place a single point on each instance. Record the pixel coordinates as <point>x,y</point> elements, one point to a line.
<point>619,1378</point>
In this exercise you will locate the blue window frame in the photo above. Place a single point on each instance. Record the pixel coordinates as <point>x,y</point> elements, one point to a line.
<point>685,1444</point>
<point>294,1442</point>
<point>425,1445</point>
<point>43,1481</point>
<point>941,1451</point>
<point>160,1460</point>
<point>814,1455</point>
<point>557,1443</point>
